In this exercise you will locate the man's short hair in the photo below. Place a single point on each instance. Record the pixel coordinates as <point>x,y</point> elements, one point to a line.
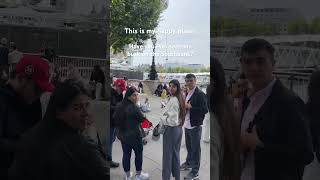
<point>189,76</point>
<point>256,44</point>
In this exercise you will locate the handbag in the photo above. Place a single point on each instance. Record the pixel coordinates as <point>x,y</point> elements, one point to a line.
<point>159,129</point>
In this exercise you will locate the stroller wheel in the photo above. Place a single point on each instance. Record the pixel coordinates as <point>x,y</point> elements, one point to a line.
<point>145,142</point>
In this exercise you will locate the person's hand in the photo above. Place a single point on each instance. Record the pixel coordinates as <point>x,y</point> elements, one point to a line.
<point>239,88</point>
<point>188,105</point>
<point>250,141</point>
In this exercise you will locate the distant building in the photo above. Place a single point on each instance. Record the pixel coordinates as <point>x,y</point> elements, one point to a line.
<point>179,64</point>
<point>229,9</point>
<point>196,66</point>
<point>279,18</point>
<point>55,14</point>
<point>174,64</point>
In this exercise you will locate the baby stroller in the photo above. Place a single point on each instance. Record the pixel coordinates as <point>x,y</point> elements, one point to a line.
<point>147,126</point>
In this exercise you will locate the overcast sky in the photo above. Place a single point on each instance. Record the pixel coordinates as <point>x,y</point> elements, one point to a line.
<point>189,15</point>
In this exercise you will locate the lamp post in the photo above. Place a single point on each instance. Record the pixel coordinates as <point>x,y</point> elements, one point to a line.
<point>153,73</point>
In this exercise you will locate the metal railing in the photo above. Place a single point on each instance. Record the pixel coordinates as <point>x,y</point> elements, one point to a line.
<point>83,64</point>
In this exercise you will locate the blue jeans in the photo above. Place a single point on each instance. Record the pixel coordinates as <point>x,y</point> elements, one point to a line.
<point>137,147</point>
<point>171,152</point>
<point>110,140</point>
<point>193,139</point>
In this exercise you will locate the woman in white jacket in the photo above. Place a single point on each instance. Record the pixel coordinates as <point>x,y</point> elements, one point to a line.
<point>171,121</point>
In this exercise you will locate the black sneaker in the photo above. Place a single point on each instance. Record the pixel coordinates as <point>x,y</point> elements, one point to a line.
<point>192,176</point>
<point>185,167</point>
<point>113,164</point>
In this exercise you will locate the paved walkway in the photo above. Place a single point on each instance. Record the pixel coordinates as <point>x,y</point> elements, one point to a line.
<point>152,161</point>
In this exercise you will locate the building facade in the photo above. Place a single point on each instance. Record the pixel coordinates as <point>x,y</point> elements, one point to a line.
<point>278,18</point>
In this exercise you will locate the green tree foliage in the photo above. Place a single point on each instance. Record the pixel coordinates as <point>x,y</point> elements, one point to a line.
<point>133,14</point>
<point>298,27</point>
<point>221,26</point>
<point>315,26</point>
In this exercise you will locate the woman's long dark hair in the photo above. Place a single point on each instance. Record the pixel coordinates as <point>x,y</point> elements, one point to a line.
<point>62,97</point>
<point>179,95</point>
<point>222,107</point>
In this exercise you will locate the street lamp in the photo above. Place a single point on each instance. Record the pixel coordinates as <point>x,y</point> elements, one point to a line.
<point>153,73</point>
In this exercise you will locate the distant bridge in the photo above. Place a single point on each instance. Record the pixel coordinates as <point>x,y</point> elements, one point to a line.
<point>227,50</point>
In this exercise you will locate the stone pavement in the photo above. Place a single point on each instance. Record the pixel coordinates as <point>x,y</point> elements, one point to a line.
<point>312,171</point>
<point>152,153</point>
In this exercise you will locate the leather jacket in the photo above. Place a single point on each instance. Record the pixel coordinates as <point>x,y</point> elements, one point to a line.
<point>15,118</point>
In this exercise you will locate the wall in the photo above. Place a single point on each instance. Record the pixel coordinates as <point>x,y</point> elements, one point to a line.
<point>129,74</point>
<point>65,43</point>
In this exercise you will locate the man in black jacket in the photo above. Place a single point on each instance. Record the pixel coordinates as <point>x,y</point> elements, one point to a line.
<point>275,137</point>
<point>97,76</point>
<point>20,107</point>
<point>116,98</point>
<point>196,104</point>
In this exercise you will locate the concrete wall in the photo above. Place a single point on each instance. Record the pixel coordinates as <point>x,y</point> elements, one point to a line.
<point>150,86</point>
<point>65,43</point>
<point>129,74</point>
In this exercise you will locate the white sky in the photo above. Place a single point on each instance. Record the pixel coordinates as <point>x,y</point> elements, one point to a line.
<point>189,15</point>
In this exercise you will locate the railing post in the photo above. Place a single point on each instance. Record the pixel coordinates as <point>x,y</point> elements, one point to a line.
<point>291,79</point>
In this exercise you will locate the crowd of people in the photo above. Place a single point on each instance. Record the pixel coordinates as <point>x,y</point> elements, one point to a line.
<point>44,119</point>
<point>261,129</point>
<point>53,145</point>
<point>181,111</point>
<point>10,56</point>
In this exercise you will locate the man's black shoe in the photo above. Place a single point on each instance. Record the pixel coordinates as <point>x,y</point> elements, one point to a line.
<point>113,164</point>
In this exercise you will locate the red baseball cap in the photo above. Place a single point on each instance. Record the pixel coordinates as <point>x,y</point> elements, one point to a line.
<point>37,69</point>
<point>120,83</point>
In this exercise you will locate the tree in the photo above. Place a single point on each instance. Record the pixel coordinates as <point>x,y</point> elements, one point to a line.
<point>298,27</point>
<point>133,14</point>
<point>221,26</point>
<point>315,26</point>
<point>205,69</point>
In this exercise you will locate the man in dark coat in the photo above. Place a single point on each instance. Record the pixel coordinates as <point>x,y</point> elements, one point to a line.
<point>98,76</point>
<point>196,104</point>
<point>275,137</point>
<point>116,98</point>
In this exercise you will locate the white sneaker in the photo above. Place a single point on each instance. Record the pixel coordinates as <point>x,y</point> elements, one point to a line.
<point>142,176</point>
<point>128,177</point>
